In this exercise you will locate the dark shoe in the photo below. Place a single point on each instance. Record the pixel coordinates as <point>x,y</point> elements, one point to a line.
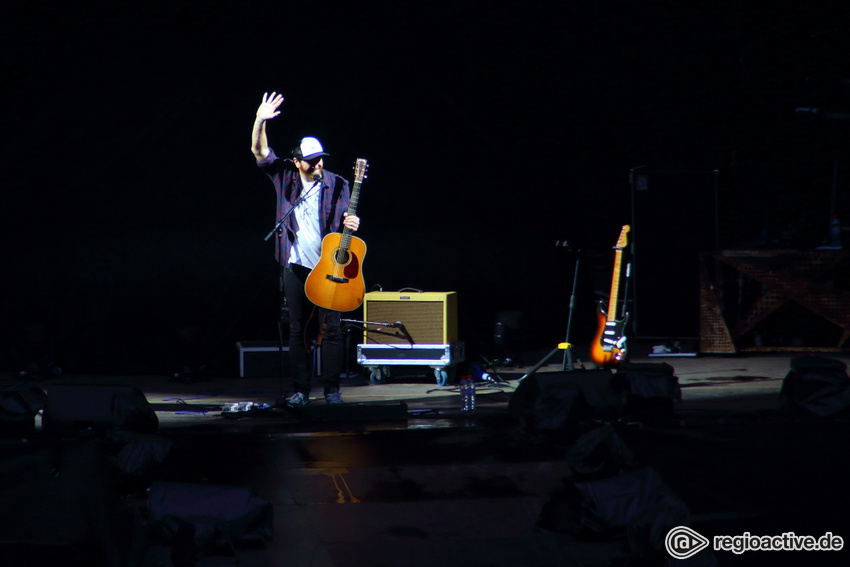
<point>333,399</point>
<point>297,400</point>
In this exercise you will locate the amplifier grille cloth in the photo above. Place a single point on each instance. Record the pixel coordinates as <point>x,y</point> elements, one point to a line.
<point>422,319</point>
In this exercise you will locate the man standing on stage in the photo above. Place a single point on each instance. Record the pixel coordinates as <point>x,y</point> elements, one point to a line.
<point>313,202</point>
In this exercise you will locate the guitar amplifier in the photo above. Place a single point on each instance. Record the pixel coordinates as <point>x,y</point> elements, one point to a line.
<point>427,317</point>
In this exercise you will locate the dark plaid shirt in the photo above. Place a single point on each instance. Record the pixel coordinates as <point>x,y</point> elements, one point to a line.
<point>288,186</point>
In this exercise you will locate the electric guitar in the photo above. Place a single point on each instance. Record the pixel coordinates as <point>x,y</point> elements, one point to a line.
<point>336,282</point>
<point>609,344</point>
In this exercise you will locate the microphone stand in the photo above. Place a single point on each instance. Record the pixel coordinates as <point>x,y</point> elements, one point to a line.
<point>363,325</point>
<point>567,363</point>
<point>278,229</point>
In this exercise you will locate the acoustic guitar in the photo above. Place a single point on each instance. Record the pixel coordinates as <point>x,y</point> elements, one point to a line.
<point>336,282</point>
<point>609,345</point>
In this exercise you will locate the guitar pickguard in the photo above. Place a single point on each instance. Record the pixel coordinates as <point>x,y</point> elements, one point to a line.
<point>613,336</point>
<point>610,345</point>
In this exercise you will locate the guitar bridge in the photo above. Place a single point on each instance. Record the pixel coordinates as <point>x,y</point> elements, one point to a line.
<point>336,279</point>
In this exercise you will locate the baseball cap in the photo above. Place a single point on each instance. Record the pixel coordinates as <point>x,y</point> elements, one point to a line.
<point>310,148</point>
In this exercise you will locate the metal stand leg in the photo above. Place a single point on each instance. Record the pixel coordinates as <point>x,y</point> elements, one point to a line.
<point>563,346</point>
<point>568,352</point>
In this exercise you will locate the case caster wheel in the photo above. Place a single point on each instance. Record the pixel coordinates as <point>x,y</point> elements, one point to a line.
<point>441,376</point>
<point>379,375</point>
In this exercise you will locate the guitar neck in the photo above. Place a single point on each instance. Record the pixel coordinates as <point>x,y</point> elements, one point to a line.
<point>345,240</point>
<point>359,173</point>
<point>615,286</point>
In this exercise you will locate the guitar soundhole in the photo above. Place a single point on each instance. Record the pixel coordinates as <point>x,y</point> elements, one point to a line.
<point>342,257</point>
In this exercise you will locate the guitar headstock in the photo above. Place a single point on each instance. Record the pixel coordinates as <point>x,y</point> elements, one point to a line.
<point>621,242</point>
<point>360,170</point>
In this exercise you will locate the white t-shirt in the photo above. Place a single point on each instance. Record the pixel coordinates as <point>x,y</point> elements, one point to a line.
<point>307,249</point>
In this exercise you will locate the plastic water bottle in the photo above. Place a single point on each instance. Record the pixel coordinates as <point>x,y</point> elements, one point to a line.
<point>834,232</point>
<point>464,394</point>
<point>470,389</point>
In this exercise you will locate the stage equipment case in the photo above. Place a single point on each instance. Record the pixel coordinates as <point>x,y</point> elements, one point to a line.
<point>261,359</point>
<point>410,328</point>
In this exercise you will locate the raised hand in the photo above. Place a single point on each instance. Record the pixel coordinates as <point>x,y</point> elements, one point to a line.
<point>268,108</point>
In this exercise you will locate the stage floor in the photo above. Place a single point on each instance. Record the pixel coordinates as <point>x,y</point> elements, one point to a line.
<point>400,476</point>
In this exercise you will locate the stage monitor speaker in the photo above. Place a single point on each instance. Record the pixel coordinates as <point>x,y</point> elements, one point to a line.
<point>815,385</point>
<point>233,514</point>
<point>555,400</point>
<point>639,501</point>
<point>674,219</point>
<point>651,388</point>
<point>71,408</point>
<point>428,317</point>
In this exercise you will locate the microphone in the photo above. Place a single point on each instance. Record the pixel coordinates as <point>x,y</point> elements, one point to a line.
<point>316,178</point>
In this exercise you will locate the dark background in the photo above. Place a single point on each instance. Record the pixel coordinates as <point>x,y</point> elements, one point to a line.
<point>133,216</point>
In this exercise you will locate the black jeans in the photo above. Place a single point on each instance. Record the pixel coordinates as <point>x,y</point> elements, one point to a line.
<point>309,324</point>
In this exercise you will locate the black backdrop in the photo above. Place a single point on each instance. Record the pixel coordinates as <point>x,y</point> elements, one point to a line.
<point>133,216</point>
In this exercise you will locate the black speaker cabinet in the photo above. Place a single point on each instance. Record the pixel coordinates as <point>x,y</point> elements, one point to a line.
<point>674,219</point>
<point>428,317</point>
<point>551,399</point>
